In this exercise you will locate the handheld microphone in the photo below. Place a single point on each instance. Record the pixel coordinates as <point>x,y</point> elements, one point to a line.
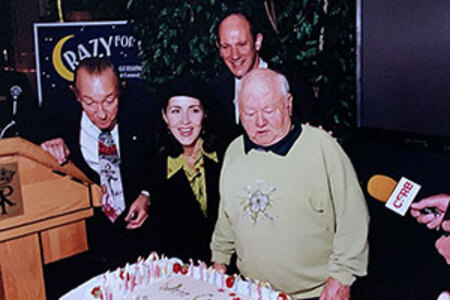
<point>398,196</point>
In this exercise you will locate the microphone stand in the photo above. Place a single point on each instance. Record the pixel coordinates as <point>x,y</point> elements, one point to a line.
<point>15,92</point>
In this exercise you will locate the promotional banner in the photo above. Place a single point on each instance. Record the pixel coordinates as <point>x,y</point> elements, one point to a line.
<point>61,46</point>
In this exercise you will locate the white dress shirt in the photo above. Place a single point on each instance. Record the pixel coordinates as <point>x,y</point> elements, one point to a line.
<point>89,141</point>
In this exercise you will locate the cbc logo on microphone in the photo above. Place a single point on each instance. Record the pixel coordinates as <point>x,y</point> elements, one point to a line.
<point>403,195</point>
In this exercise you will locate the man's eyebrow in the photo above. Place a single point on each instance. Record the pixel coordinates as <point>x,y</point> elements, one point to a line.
<point>87,97</point>
<point>110,94</point>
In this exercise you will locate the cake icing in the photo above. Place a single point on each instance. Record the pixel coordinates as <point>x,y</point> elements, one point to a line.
<point>162,278</point>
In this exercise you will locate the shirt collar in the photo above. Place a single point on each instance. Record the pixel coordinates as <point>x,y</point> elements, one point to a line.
<point>262,64</point>
<point>174,164</point>
<point>281,148</point>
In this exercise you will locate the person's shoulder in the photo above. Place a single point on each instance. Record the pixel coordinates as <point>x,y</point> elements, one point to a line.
<point>235,149</point>
<point>237,144</point>
<point>318,135</point>
<point>325,143</point>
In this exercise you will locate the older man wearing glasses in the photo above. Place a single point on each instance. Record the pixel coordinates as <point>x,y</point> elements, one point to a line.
<point>106,132</point>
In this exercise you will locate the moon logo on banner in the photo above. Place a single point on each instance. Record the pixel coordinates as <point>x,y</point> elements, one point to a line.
<point>57,61</point>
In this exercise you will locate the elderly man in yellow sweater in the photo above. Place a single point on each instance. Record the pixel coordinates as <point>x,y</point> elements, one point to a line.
<point>291,205</point>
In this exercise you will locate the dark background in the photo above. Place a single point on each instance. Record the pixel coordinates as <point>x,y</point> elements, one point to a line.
<point>405,66</point>
<point>404,129</point>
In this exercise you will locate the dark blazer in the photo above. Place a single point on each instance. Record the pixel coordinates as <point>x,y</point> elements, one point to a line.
<point>136,135</point>
<point>305,107</point>
<point>186,231</point>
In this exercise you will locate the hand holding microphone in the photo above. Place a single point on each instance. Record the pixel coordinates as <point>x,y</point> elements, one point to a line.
<point>398,197</point>
<point>433,211</point>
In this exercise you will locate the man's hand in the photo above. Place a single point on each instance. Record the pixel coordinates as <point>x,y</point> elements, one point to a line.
<point>443,243</point>
<point>58,149</point>
<point>443,247</point>
<point>446,226</point>
<point>334,290</point>
<point>138,212</point>
<point>221,268</point>
<point>438,202</point>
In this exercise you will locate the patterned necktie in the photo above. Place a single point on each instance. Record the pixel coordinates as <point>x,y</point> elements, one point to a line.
<point>113,202</point>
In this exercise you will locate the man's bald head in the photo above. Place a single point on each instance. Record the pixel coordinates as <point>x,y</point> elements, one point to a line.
<point>238,44</point>
<point>237,19</point>
<point>265,106</point>
<point>259,80</point>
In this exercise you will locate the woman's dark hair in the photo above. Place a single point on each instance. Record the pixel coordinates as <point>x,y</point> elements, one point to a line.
<point>185,85</point>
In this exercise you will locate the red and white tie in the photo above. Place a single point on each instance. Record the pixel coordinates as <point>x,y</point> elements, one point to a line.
<point>113,202</point>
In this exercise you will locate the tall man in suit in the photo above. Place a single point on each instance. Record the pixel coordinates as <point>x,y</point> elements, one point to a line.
<point>239,45</point>
<point>106,130</point>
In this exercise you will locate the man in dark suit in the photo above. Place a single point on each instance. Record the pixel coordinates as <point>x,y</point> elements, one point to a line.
<point>239,45</point>
<point>100,104</point>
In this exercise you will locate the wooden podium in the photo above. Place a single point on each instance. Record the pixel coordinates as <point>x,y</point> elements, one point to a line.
<point>43,208</point>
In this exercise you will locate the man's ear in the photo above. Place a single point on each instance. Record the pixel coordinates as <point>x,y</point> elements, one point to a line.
<point>218,47</point>
<point>74,90</point>
<point>258,41</point>
<point>289,103</point>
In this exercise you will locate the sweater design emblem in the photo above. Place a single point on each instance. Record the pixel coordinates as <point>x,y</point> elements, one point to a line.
<point>257,200</point>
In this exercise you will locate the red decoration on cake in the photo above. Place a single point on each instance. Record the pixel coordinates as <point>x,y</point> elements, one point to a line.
<point>184,270</point>
<point>96,293</point>
<point>282,296</point>
<point>176,268</point>
<point>230,281</point>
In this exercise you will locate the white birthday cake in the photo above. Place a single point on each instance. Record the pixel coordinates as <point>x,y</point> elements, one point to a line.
<point>169,279</point>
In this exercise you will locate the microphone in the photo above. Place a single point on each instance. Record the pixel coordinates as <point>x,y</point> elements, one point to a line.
<point>398,196</point>
<point>15,92</point>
